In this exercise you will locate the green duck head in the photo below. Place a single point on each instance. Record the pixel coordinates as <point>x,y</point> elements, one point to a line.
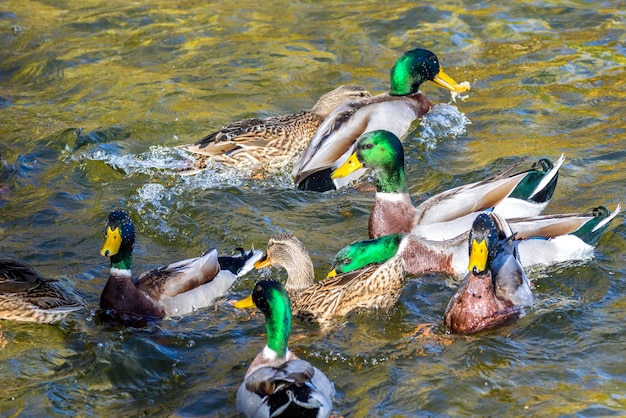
<point>382,152</point>
<point>483,240</point>
<point>272,299</point>
<point>414,68</point>
<point>119,240</point>
<point>360,254</point>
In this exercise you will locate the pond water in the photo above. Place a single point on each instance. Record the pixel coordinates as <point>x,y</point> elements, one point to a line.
<point>94,95</point>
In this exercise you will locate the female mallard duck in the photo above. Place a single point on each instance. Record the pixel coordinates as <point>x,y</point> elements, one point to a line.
<point>395,111</point>
<point>447,214</point>
<point>277,383</point>
<point>25,295</point>
<point>495,287</point>
<point>176,289</point>
<point>268,144</point>
<point>541,240</point>
<point>366,286</point>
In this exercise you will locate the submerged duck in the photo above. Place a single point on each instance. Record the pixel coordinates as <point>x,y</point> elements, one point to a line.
<point>394,111</point>
<point>495,288</point>
<point>541,240</point>
<point>268,144</point>
<point>450,213</point>
<point>172,290</point>
<point>278,383</point>
<point>361,286</point>
<point>25,295</point>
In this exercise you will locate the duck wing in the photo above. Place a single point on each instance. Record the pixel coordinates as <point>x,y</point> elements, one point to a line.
<point>258,133</point>
<point>16,276</point>
<point>180,277</point>
<point>588,226</point>
<point>294,388</point>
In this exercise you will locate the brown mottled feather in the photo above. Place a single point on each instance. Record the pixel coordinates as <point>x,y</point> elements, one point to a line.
<point>25,295</point>
<point>273,142</point>
<point>372,287</point>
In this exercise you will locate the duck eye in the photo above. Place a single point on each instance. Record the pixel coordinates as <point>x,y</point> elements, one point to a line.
<point>432,58</point>
<point>368,146</point>
<point>347,261</point>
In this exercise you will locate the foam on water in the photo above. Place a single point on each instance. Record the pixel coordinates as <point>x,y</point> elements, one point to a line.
<point>443,120</point>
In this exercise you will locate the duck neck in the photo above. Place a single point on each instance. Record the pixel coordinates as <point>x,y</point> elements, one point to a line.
<point>123,260</point>
<point>278,327</point>
<point>391,180</point>
<point>300,273</point>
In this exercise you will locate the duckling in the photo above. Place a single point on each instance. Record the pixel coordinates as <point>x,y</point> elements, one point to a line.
<point>25,295</point>
<point>450,213</point>
<point>495,288</point>
<point>366,285</point>
<point>268,144</point>
<point>172,290</point>
<point>278,383</point>
<point>394,111</point>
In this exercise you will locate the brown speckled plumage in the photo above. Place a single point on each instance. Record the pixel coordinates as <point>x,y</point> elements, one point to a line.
<point>372,287</point>
<point>27,296</point>
<point>268,144</point>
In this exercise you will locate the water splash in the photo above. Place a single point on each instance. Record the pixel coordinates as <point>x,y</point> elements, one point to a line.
<point>443,120</point>
<point>157,160</point>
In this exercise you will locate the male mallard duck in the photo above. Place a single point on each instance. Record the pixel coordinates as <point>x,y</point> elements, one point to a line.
<point>366,286</point>
<point>268,144</point>
<point>541,240</point>
<point>277,383</point>
<point>447,214</point>
<point>25,295</point>
<point>551,239</point>
<point>495,287</point>
<point>394,111</point>
<point>176,289</point>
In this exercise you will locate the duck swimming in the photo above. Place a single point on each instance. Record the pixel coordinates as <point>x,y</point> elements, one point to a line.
<point>172,290</point>
<point>278,383</point>
<point>267,145</point>
<point>394,111</point>
<point>450,213</point>
<point>364,285</point>
<point>495,288</point>
<point>542,240</point>
<point>27,296</point>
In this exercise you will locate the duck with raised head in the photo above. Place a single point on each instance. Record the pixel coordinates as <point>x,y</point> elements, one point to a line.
<point>496,288</point>
<point>278,383</point>
<point>172,290</point>
<point>394,111</point>
<point>267,145</point>
<point>27,296</point>
<point>367,284</point>
<point>450,213</point>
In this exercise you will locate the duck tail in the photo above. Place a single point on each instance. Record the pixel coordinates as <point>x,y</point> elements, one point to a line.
<point>540,181</point>
<point>592,231</point>
<point>240,264</point>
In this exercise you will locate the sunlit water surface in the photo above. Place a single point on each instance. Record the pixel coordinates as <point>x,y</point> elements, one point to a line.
<point>94,95</point>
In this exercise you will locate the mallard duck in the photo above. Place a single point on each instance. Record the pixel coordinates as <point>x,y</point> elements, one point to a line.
<point>365,286</point>
<point>268,144</point>
<point>551,239</point>
<point>278,383</point>
<point>541,240</point>
<point>450,213</point>
<point>495,288</point>
<point>25,295</point>
<point>172,290</point>
<point>394,111</point>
